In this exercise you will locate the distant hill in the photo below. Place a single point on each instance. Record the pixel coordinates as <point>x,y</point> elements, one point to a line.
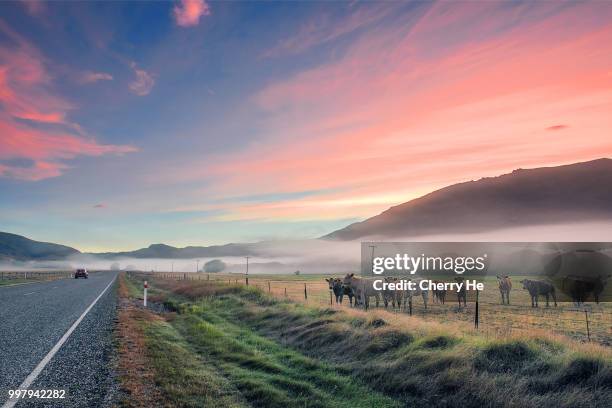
<point>18,248</point>
<point>190,252</point>
<point>548,195</point>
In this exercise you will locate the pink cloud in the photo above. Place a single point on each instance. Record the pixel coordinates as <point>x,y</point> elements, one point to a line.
<point>34,7</point>
<point>28,106</point>
<point>100,205</point>
<point>91,77</point>
<point>323,28</point>
<point>143,83</point>
<point>408,109</point>
<point>188,12</point>
<point>557,127</point>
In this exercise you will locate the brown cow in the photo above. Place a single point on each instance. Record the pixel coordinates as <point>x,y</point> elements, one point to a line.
<point>505,285</point>
<point>362,288</point>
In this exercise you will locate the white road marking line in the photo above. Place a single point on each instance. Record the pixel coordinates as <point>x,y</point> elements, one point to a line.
<point>36,372</point>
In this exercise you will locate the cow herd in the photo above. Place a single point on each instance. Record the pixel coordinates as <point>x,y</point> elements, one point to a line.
<point>360,291</point>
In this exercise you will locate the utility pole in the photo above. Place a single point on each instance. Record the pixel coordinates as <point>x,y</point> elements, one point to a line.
<point>372,258</point>
<point>172,267</point>
<point>247,270</point>
<point>197,265</point>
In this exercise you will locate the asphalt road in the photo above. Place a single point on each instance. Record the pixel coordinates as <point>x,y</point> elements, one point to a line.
<point>35,317</point>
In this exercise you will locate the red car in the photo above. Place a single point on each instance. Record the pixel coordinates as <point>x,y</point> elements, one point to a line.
<point>81,273</point>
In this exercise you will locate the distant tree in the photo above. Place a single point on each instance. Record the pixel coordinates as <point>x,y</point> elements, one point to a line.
<point>297,272</point>
<point>115,266</point>
<point>214,266</point>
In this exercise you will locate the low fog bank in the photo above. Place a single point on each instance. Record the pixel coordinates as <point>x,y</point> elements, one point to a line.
<point>319,256</point>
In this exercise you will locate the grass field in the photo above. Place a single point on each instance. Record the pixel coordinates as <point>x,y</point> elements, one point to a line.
<point>227,345</point>
<point>14,277</point>
<point>495,319</point>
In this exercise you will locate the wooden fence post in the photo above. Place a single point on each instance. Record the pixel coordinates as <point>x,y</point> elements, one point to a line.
<point>586,317</point>
<point>305,293</point>
<point>285,292</point>
<point>476,311</point>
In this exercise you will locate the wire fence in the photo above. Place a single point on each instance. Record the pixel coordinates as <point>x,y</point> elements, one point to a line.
<point>585,323</point>
<point>33,275</point>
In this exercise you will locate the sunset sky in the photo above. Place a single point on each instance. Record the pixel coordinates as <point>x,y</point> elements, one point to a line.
<point>193,123</point>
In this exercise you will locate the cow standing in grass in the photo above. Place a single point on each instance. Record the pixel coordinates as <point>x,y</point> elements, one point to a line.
<point>505,285</point>
<point>407,295</point>
<point>347,291</point>
<point>392,295</point>
<point>536,288</point>
<point>362,288</point>
<point>580,288</point>
<point>339,289</point>
<point>439,295</point>
<point>335,285</point>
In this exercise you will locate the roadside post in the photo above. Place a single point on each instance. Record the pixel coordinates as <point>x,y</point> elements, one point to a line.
<point>247,272</point>
<point>476,311</point>
<point>146,286</point>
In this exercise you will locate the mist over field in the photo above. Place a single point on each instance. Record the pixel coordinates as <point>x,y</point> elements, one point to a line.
<point>318,256</point>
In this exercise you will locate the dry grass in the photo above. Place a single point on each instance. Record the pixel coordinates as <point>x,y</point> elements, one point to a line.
<point>496,320</point>
<point>420,363</point>
<point>134,366</point>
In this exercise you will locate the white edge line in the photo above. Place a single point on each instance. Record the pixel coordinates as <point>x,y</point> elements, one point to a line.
<point>34,374</point>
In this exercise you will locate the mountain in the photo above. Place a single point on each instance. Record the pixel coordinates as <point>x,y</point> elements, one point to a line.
<point>167,252</point>
<point>18,248</point>
<point>548,195</point>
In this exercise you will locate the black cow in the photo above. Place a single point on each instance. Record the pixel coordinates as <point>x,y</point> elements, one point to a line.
<point>339,289</point>
<point>536,288</point>
<point>579,288</point>
<point>439,295</point>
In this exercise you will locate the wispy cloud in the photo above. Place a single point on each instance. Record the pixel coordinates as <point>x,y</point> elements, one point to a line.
<point>34,7</point>
<point>188,12</point>
<point>557,127</point>
<point>406,109</point>
<point>143,82</point>
<point>325,27</point>
<point>100,205</point>
<point>91,77</point>
<point>34,125</point>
